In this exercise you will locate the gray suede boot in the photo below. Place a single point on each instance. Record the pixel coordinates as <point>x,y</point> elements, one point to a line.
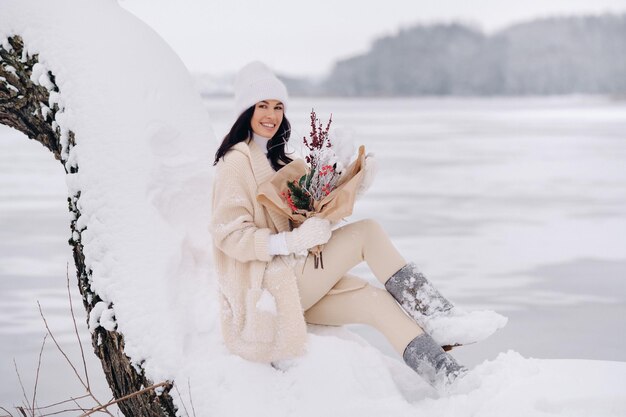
<point>432,363</point>
<point>448,325</point>
<point>415,293</point>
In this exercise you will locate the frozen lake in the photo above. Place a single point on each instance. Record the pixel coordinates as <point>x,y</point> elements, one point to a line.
<point>517,205</point>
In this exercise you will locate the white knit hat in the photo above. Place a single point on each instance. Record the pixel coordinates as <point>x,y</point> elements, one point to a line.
<point>256,82</point>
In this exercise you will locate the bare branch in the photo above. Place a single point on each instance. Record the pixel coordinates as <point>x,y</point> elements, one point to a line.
<point>19,378</point>
<point>60,402</point>
<point>9,414</point>
<point>37,375</point>
<point>181,400</point>
<point>80,407</point>
<point>82,353</point>
<point>59,347</point>
<point>62,411</point>
<point>93,410</point>
<point>193,410</point>
<point>70,362</point>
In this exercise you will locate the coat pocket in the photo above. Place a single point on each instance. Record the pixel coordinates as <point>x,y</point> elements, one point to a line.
<point>260,321</point>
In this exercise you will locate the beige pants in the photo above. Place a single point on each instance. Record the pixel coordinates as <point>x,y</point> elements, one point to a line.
<point>331,296</point>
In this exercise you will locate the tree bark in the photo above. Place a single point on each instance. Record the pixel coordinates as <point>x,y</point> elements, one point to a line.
<point>24,105</point>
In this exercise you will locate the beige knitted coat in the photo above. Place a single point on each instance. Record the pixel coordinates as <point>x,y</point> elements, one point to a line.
<point>261,315</point>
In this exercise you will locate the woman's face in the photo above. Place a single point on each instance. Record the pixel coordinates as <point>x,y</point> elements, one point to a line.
<point>267,117</point>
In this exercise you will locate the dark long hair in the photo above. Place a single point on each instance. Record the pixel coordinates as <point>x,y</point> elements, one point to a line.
<point>241,131</point>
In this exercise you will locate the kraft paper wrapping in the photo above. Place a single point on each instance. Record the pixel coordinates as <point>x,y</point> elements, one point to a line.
<point>335,206</point>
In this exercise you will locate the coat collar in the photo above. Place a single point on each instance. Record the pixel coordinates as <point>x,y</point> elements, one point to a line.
<point>263,172</point>
<point>261,166</point>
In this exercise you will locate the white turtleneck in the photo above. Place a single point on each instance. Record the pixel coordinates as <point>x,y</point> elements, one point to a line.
<point>277,242</point>
<point>261,141</point>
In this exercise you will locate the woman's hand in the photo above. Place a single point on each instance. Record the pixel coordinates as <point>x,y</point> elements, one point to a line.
<point>313,231</point>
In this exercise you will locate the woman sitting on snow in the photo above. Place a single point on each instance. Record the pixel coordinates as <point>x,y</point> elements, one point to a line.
<point>269,291</point>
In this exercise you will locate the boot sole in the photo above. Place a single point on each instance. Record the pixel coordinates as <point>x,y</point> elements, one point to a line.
<point>448,348</point>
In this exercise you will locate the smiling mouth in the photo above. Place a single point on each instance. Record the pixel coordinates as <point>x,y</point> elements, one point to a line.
<point>268,125</point>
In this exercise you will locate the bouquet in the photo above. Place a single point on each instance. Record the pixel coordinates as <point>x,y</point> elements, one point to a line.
<point>319,185</point>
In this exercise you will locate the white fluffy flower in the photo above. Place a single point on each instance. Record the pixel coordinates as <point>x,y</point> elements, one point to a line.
<point>344,147</point>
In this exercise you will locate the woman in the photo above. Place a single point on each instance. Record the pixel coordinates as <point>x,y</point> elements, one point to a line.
<point>269,289</point>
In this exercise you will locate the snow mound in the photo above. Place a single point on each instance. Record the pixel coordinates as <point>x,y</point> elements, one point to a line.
<point>342,375</point>
<point>144,147</point>
<point>514,386</point>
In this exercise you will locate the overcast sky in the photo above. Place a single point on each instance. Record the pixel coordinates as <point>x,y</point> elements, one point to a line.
<point>304,38</point>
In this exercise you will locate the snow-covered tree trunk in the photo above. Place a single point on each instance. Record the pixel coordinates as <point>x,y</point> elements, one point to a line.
<point>28,103</point>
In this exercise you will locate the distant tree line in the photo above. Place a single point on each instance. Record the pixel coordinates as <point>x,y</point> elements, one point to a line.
<point>561,55</point>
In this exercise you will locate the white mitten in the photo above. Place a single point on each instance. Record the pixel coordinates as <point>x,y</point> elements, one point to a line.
<point>371,169</point>
<point>314,231</point>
